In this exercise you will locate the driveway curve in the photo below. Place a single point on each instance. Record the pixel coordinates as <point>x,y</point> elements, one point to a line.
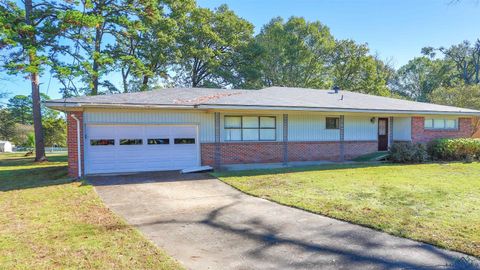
<point>206,224</point>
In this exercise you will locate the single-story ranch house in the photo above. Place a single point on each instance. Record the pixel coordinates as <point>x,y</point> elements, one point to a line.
<point>171,129</point>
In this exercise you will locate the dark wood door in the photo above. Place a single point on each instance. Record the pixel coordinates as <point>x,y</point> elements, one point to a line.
<point>382,134</point>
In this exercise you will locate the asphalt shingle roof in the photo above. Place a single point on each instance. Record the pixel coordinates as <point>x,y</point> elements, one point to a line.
<point>278,97</point>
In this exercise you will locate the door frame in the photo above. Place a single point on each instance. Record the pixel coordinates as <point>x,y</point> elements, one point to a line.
<point>383,143</point>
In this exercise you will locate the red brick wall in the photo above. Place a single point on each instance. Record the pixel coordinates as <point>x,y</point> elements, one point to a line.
<point>272,152</point>
<point>244,152</point>
<point>311,151</point>
<point>422,135</point>
<point>354,149</point>
<point>72,143</point>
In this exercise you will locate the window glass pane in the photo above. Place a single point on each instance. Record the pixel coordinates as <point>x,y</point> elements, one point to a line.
<point>158,141</point>
<point>267,134</point>
<point>428,123</point>
<point>250,122</point>
<point>233,122</point>
<point>100,142</point>
<point>131,141</point>
<point>250,134</point>
<point>438,123</point>
<point>233,134</point>
<point>267,122</point>
<point>382,127</point>
<point>332,122</point>
<point>184,141</point>
<point>450,123</point>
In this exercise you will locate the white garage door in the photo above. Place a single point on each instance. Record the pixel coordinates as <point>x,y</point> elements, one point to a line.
<point>136,148</point>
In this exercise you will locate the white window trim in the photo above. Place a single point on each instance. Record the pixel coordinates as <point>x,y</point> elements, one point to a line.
<point>241,128</point>
<point>444,128</point>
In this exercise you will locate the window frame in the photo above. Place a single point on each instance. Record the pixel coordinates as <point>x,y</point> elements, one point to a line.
<point>337,122</point>
<point>433,128</point>
<point>259,127</point>
<point>135,140</point>
<point>109,140</point>
<point>160,139</point>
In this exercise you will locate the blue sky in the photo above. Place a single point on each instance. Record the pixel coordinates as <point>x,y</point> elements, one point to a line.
<point>396,30</point>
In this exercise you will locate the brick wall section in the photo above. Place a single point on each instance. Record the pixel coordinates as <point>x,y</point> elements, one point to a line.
<point>422,135</point>
<point>272,152</point>
<point>72,143</point>
<point>354,149</point>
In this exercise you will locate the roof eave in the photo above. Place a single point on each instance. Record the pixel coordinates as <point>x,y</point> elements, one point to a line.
<point>326,109</point>
<point>70,106</point>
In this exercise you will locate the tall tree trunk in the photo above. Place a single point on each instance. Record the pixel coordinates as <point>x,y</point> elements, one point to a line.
<point>145,83</point>
<point>96,66</point>
<point>34,78</point>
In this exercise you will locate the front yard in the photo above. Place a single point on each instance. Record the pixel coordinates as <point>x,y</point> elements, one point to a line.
<point>434,203</point>
<point>49,222</point>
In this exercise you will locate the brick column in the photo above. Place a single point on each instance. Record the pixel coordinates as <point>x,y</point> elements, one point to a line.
<point>217,152</point>
<point>73,154</point>
<point>342,138</point>
<point>285,139</point>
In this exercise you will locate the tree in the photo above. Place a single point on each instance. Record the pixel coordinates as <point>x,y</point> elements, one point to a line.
<point>157,26</point>
<point>294,53</point>
<point>7,125</point>
<point>465,58</point>
<point>20,107</point>
<point>420,76</point>
<point>354,69</point>
<point>26,33</point>
<point>55,131</point>
<point>465,96</point>
<point>208,43</point>
<point>89,26</point>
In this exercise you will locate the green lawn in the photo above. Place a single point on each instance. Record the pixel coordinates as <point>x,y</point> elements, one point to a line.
<point>434,203</point>
<point>49,222</point>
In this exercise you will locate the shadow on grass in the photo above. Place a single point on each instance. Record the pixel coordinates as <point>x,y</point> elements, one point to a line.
<point>16,179</point>
<point>326,167</point>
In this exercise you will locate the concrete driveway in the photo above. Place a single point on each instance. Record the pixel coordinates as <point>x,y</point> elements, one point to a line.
<point>206,224</point>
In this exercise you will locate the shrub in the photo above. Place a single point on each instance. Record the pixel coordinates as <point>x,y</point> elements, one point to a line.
<point>407,152</point>
<point>454,149</point>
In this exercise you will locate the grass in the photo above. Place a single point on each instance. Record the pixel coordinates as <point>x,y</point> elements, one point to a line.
<point>49,222</point>
<point>433,203</point>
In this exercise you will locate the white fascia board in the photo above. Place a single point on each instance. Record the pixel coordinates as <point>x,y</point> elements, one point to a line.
<point>66,106</point>
<point>320,109</point>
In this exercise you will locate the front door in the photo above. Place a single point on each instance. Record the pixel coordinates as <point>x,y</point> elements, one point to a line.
<point>382,134</point>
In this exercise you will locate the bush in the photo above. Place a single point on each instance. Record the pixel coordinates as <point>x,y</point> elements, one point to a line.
<point>454,149</point>
<point>408,153</point>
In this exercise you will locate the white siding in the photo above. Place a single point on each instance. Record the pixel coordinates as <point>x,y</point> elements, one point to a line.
<point>203,119</point>
<point>310,127</point>
<point>360,128</point>
<point>402,128</point>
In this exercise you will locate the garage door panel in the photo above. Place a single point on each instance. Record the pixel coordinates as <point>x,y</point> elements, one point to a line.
<point>161,155</point>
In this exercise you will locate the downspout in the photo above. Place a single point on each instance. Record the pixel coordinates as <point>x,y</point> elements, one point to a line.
<point>79,153</point>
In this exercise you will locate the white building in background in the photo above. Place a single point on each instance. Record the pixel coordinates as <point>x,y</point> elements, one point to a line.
<point>6,147</point>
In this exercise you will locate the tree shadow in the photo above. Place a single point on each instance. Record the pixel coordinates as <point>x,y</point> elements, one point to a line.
<point>17,179</point>
<point>146,177</point>
<point>316,254</point>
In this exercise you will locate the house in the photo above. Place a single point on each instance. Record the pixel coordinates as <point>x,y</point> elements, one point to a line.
<point>171,129</point>
<point>6,147</point>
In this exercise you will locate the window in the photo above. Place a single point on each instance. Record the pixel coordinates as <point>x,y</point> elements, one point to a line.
<point>332,123</point>
<point>184,141</point>
<point>102,142</point>
<point>158,141</point>
<point>250,128</point>
<point>439,123</point>
<point>131,141</point>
